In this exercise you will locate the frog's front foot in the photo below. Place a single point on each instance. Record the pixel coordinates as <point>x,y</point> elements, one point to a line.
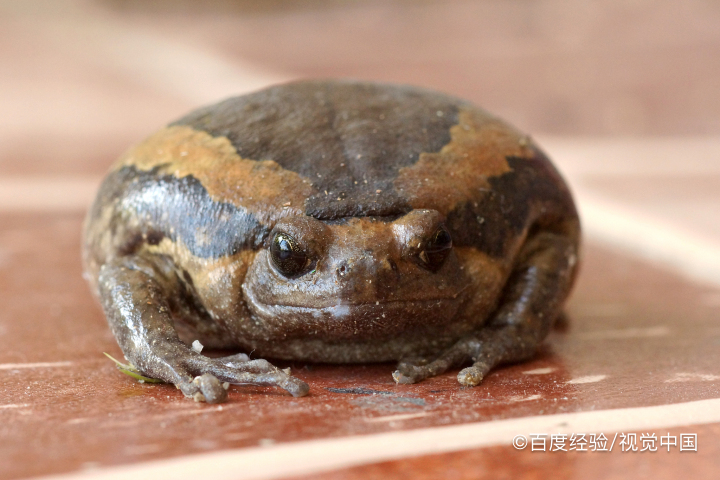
<point>134,296</point>
<point>486,350</point>
<point>417,369</point>
<point>211,373</point>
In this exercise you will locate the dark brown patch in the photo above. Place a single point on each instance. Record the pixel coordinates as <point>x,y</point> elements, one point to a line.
<point>188,279</point>
<point>154,237</point>
<point>131,244</point>
<point>350,139</point>
<point>149,206</point>
<point>532,193</point>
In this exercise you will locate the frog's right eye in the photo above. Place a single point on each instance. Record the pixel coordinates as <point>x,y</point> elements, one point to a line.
<point>287,255</point>
<point>436,250</point>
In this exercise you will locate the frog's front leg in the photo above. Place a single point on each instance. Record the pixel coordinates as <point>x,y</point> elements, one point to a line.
<point>134,293</point>
<point>531,302</point>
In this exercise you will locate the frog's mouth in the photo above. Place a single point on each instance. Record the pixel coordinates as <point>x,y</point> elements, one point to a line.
<point>358,321</point>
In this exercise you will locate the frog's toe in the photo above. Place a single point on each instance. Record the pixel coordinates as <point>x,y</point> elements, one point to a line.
<point>408,372</point>
<point>204,388</point>
<point>472,376</point>
<point>417,369</point>
<point>403,378</point>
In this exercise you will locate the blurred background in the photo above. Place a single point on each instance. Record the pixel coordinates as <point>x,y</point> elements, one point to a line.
<point>624,95</point>
<point>110,71</point>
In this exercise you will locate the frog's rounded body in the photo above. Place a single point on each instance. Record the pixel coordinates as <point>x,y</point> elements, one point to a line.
<point>333,222</point>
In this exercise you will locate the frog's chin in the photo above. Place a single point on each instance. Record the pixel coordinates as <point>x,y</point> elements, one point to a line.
<point>358,321</point>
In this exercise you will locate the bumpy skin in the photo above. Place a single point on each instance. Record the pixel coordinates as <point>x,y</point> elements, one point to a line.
<point>362,176</point>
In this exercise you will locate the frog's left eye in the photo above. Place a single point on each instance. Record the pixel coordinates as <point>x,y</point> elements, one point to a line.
<point>436,250</point>
<point>287,255</point>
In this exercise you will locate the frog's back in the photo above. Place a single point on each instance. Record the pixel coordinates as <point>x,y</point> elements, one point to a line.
<point>349,139</point>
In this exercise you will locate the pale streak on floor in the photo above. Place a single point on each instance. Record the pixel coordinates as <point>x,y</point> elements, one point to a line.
<point>540,371</point>
<point>13,405</point>
<point>397,418</point>
<point>587,379</point>
<point>19,366</point>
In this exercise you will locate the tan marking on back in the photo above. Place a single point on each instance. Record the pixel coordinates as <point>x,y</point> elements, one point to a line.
<point>476,151</point>
<point>253,184</point>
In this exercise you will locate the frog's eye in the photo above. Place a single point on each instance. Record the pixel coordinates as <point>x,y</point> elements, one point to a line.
<point>436,250</point>
<point>287,255</point>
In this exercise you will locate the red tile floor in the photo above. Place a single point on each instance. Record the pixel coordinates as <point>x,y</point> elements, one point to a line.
<point>639,353</point>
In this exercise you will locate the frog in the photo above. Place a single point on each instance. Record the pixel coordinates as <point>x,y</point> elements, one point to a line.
<point>332,221</point>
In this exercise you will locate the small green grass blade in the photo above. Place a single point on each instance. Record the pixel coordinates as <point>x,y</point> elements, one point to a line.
<point>132,371</point>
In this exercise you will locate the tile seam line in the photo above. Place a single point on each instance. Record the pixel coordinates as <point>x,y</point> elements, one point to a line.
<point>316,456</point>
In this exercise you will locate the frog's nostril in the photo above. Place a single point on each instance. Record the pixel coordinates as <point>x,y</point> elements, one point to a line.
<point>393,265</point>
<point>342,270</point>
